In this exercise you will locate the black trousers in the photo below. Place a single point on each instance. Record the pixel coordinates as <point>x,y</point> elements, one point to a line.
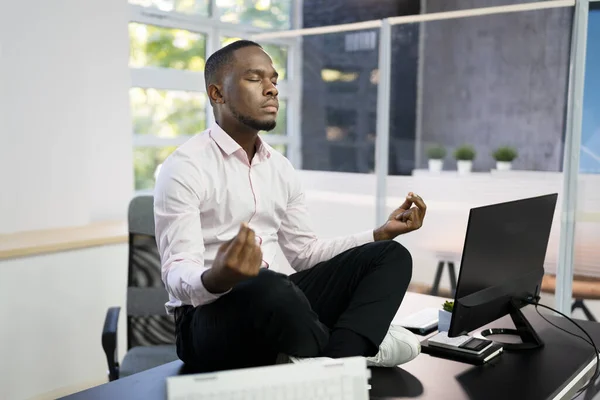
<point>359,290</point>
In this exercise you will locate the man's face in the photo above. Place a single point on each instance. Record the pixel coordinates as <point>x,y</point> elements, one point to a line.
<point>249,89</point>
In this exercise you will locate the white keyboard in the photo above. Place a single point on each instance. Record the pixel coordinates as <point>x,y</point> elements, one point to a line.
<point>340,379</point>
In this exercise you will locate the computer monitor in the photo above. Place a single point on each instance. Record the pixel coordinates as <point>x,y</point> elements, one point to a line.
<point>502,267</point>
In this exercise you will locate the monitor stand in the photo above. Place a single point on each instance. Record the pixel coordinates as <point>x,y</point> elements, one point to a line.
<point>529,338</point>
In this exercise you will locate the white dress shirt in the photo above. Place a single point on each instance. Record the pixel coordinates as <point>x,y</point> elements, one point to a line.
<point>207,188</point>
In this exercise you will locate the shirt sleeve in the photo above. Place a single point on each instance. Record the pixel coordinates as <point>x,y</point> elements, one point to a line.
<point>177,198</point>
<point>300,245</point>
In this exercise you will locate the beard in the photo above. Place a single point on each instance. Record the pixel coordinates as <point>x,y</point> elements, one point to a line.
<point>253,123</point>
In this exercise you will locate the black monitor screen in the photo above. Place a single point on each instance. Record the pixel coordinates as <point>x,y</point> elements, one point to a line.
<point>503,258</point>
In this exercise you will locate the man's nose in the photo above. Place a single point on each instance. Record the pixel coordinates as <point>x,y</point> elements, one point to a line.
<point>271,90</point>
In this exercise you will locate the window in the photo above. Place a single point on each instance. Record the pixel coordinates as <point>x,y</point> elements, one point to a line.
<point>147,162</point>
<point>281,127</point>
<point>266,14</point>
<point>170,41</point>
<point>282,148</point>
<point>167,114</point>
<point>153,46</point>
<point>337,131</point>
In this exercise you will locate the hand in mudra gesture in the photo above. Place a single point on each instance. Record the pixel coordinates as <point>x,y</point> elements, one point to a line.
<point>241,255</point>
<point>238,259</point>
<point>406,218</point>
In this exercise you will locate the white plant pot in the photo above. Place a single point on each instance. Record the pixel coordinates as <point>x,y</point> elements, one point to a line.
<point>435,165</point>
<point>503,165</point>
<point>444,318</point>
<point>464,166</point>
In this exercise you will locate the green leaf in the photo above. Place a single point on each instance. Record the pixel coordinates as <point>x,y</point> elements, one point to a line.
<point>448,306</point>
<point>436,152</point>
<point>505,153</point>
<point>465,153</point>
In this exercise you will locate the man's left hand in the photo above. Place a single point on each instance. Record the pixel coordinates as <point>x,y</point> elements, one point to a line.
<point>404,219</point>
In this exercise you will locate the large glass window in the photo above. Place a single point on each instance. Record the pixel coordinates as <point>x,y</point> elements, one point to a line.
<point>168,52</point>
<point>340,105</point>
<point>478,130</point>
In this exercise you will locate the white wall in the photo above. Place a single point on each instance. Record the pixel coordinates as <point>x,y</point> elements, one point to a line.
<point>65,159</point>
<point>52,313</point>
<point>65,137</point>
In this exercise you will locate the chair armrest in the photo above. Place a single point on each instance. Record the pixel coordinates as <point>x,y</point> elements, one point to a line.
<point>109,342</point>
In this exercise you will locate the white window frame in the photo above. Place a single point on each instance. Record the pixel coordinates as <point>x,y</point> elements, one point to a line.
<point>214,29</point>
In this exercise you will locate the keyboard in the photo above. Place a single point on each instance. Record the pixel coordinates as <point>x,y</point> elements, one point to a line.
<point>339,379</point>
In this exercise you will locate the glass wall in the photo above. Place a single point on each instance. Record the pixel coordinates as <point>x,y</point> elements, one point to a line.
<point>338,126</point>
<point>339,101</point>
<point>586,259</point>
<point>477,117</point>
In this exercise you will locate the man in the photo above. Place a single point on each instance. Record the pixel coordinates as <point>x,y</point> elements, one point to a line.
<point>225,200</point>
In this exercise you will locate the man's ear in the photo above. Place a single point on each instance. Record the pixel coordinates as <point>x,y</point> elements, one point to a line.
<point>215,93</point>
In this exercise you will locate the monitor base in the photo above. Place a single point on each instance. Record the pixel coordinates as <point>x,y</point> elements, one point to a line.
<point>529,338</point>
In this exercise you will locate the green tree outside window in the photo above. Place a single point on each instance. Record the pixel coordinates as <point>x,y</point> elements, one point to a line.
<point>153,46</point>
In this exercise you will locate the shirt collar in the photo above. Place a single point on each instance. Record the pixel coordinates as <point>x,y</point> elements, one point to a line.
<point>230,146</point>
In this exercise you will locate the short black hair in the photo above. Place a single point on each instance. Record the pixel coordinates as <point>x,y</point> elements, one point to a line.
<point>220,58</point>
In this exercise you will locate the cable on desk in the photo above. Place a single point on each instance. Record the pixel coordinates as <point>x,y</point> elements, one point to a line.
<point>536,302</point>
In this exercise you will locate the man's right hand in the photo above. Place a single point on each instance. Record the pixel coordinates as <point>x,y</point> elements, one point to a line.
<point>236,260</point>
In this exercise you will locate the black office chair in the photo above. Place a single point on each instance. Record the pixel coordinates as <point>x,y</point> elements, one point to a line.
<point>150,331</point>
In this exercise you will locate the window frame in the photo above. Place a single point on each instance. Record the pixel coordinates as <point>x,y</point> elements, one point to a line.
<point>184,80</point>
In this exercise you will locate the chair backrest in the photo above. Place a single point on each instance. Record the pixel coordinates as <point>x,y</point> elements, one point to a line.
<point>147,321</point>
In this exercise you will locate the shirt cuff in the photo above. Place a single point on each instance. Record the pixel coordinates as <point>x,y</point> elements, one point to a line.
<point>364,237</point>
<point>200,295</point>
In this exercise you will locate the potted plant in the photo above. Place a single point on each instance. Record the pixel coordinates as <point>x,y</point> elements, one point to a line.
<point>464,156</point>
<point>445,316</point>
<point>504,157</point>
<point>436,154</point>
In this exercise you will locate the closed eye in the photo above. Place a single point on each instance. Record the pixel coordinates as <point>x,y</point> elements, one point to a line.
<point>255,75</point>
